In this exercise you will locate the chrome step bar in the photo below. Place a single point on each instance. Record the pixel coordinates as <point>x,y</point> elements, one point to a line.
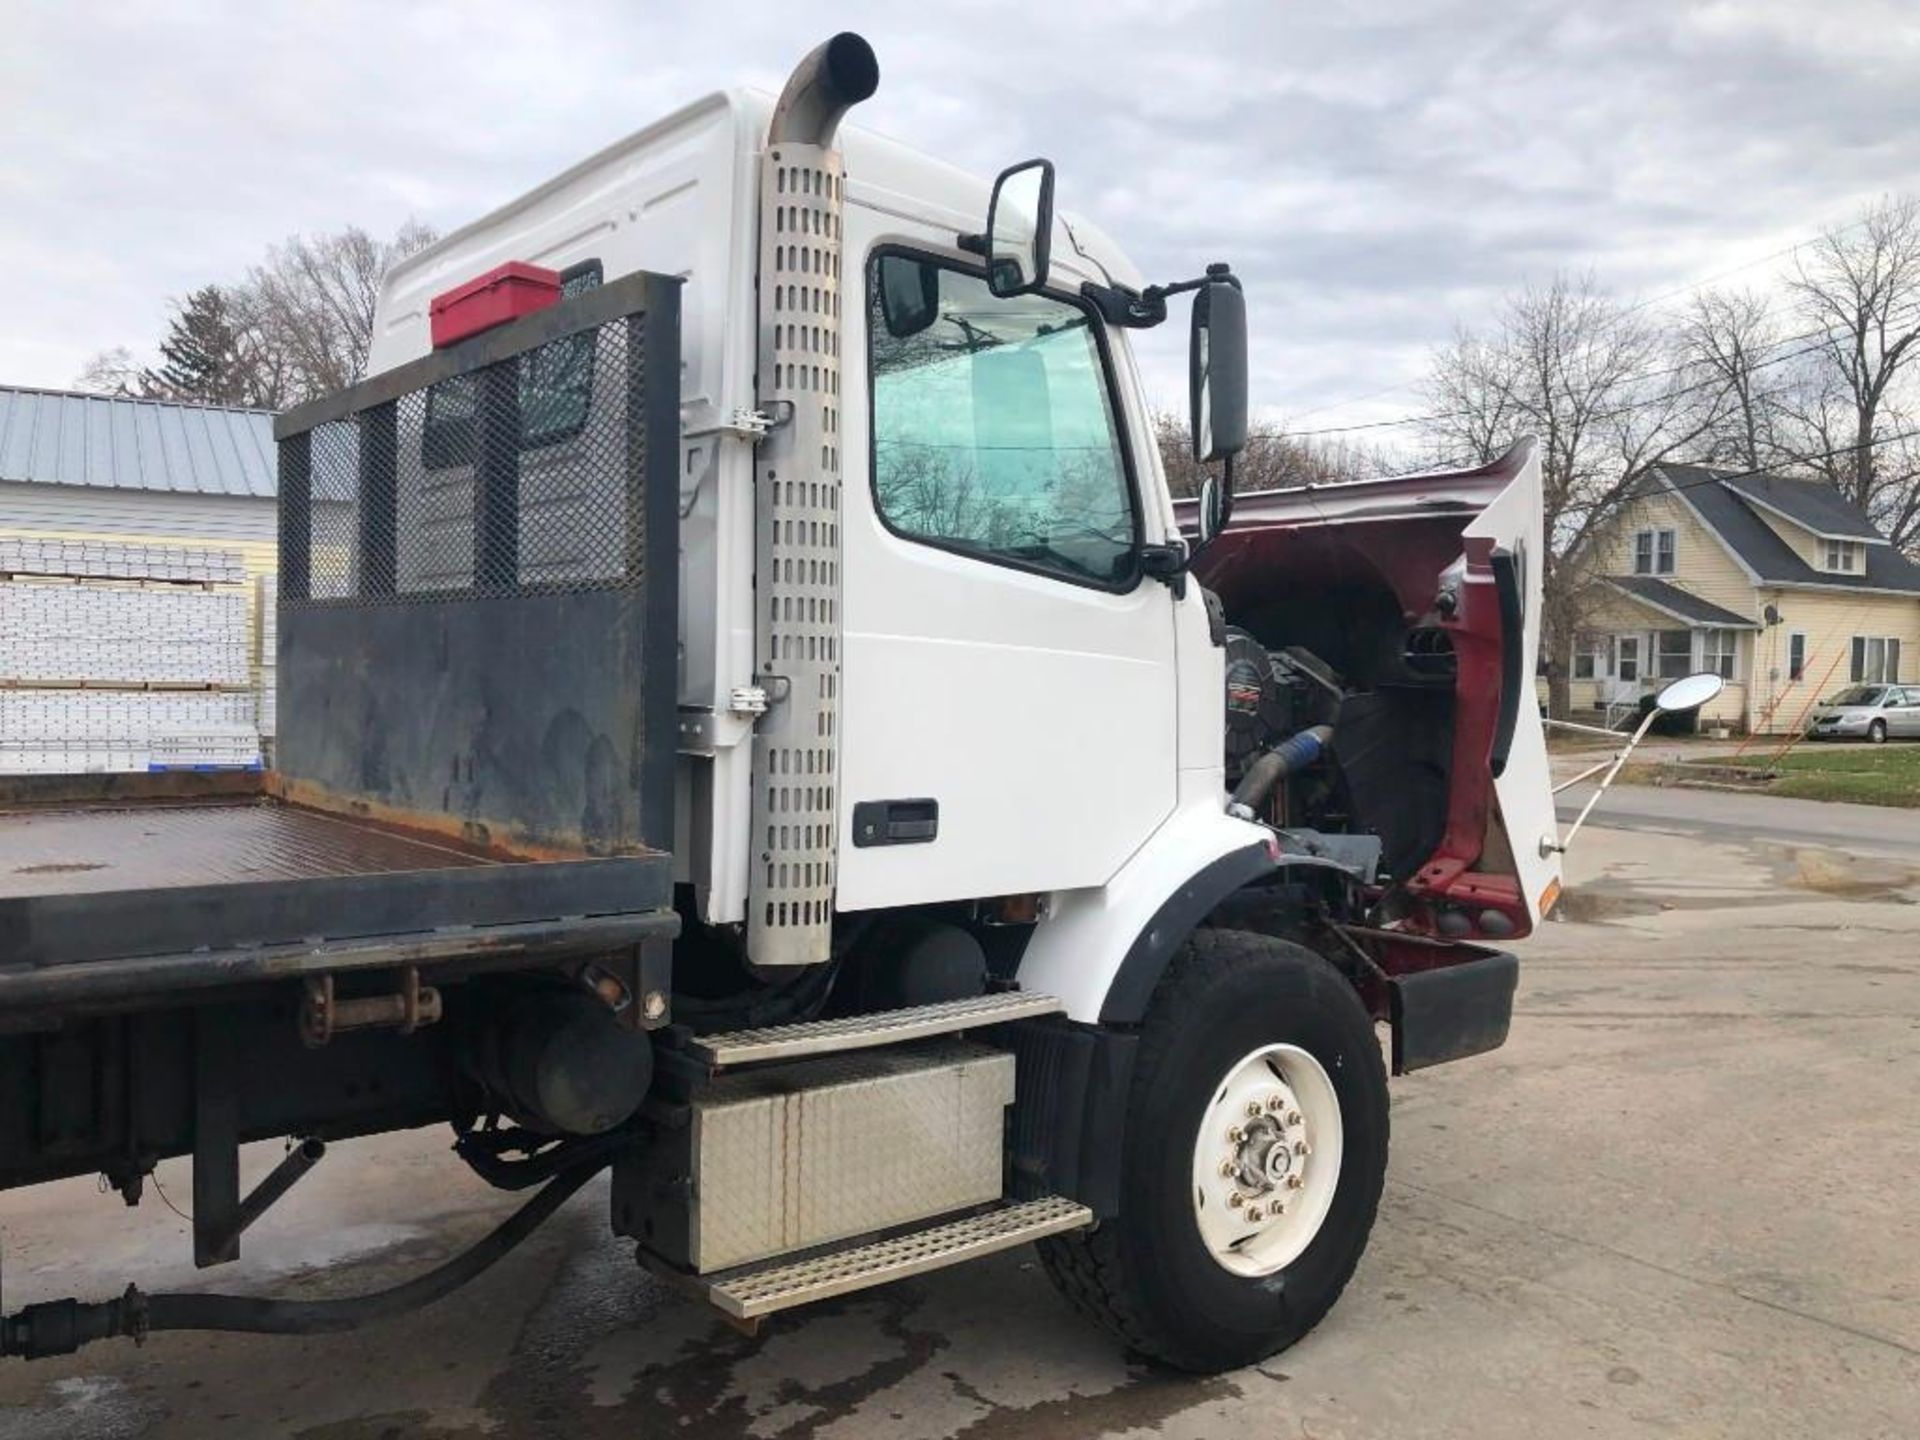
<point>781,1286</point>
<point>864,1032</point>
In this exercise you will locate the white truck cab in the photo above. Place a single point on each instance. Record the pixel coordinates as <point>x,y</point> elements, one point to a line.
<point>1045,850</point>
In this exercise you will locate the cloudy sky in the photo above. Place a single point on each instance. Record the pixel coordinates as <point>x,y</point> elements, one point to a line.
<point>1379,172</point>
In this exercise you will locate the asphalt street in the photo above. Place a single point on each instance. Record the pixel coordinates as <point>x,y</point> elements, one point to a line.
<point>1725,815</point>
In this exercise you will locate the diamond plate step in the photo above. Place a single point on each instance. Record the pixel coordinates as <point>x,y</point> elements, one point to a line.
<point>863,1032</point>
<point>781,1287</point>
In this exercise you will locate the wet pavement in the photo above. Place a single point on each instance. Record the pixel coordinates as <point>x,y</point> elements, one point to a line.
<point>1678,1203</point>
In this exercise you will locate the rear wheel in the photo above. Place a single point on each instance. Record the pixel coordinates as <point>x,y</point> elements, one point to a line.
<point>1255,1149</point>
<point>1877,732</point>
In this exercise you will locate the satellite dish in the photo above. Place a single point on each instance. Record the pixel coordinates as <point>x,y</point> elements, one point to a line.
<point>1771,614</point>
<point>1690,693</point>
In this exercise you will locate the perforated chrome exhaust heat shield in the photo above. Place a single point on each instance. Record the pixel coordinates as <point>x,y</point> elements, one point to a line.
<point>797,508</point>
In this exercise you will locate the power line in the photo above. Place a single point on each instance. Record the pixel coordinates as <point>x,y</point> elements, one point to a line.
<point>1632,309</point>
<point>1829,333</point>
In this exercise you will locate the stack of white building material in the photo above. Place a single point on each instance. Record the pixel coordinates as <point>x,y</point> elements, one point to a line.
<point>266,686</point>
<point>113,560</point>
<point>64,732</point>
<point>88,633</point>
<point>128,673</point>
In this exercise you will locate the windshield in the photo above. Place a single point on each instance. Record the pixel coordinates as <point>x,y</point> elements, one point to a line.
<point>1859,695</point>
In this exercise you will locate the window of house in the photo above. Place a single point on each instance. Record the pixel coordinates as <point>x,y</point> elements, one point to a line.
<point>1626,657</point>
<point>993,426</point>
<point>1589,656</point>
<point>1717,652</point>
<point>1843,555</point>
<point>1876,659</point>
<point>1796,656</point>
<point>1672,654</point>
<point>1653,552</point>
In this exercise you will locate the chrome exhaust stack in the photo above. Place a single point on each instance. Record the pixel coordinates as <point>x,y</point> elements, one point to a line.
<point>795,805</point>
<point>832,79</point>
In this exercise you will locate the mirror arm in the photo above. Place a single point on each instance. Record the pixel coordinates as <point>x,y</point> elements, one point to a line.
<point>974,244</point>
<point>1168,564</point>
<point>1128,309</point>
<point>1138,309</point>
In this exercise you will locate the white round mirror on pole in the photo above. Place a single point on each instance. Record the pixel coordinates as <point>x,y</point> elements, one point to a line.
<point>1689,693</point>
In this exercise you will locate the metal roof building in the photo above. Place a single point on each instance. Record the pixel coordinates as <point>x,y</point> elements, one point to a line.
<point>82,466</point>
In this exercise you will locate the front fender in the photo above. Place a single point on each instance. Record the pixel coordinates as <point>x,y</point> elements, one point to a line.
<point>1102,951</point>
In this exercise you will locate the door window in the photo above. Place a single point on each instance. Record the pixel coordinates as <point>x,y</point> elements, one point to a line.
<point>994,433</point>
<point>1626,665</point>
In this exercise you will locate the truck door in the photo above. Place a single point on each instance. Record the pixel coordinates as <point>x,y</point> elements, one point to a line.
<point>1008,711</point>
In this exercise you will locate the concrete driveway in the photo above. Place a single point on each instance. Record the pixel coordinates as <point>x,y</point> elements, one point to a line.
<point>1679,1203</point>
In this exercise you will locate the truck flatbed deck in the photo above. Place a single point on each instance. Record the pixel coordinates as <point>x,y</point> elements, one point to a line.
<point>181,891</point>
<point>94,849</point>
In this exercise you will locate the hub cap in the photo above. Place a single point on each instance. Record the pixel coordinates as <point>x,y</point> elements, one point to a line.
<point>1267,1160</point>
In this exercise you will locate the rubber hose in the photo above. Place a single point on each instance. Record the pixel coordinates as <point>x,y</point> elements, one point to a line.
<point>319,1317</point>
<point>1294,753</point>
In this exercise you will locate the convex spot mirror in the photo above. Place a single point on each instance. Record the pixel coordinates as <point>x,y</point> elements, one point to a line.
<point>1689,693</point>
<point>1020,228</point>
<point>909,295</point>
<point>1217,368</point>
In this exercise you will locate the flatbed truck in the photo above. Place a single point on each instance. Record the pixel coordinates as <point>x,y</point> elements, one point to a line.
<point>756,719</point>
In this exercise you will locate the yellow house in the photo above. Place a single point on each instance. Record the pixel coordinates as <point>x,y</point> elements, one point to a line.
<point>1780,585</point>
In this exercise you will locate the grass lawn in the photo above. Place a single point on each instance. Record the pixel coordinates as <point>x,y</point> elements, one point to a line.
<point>1866,775</point>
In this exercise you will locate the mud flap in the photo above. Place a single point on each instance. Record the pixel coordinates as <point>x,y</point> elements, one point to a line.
<point>1452,1012</point>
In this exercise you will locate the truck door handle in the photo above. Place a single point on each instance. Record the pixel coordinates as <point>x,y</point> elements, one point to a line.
<point>895,822</point>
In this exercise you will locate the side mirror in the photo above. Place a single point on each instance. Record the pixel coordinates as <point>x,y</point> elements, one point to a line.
<point>1020,228</point>
<point>1217,367</point>
<point>1689,693</point>
<point>1216,508</point>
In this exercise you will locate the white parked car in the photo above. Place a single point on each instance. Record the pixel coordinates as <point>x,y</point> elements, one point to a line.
<point>1869,712</point>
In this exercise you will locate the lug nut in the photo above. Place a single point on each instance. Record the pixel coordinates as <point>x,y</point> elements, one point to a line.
<point>1236,1135</point>
<point>1254,1109</point>
<point>1294,1182</point>
<point>1276,1103</point>
<point>1236,1200</point>
<point>1227,1167</point>
<point>1300,1147</point>
<point>1293,1117</point>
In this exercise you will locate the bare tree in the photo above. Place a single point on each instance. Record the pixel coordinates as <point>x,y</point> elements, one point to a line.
<point>1582,374</point>
<point>1273,460</point>
<point>1729,340</point>
<point>1861,285</point>
<point>299,326</point>
<point>308,311</point>
<point>112,372</point>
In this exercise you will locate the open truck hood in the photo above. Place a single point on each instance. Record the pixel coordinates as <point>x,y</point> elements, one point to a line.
<point>1480,533</point>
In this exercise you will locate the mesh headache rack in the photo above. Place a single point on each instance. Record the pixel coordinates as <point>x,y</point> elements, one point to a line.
<point>478,552</point>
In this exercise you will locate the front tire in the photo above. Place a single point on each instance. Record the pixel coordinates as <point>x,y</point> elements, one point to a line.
<point>1158,1276</point>
<point>1877,732</point>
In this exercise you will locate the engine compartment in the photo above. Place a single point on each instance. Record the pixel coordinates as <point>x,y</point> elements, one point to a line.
<point>1351,632</point>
